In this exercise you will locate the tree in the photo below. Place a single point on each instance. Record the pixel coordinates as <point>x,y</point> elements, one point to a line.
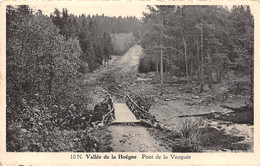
<point>206,39</point>
<point>156,19</point>
<point>39,60</point>
<point>107,48</point>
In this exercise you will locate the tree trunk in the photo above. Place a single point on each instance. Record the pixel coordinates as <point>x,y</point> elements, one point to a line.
<point>198,58</point>
<point>191,72</point>
<point>209,71</point>
<point>157,66</point>
<point>161,58</point>
<point>220,76</point>
<point>185,56</point>
<point>202,59</point>
<point>166,66</point>
<point>161,68</point>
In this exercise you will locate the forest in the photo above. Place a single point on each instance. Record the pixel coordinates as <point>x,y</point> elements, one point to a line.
<point>57,64</point>
<point>199,43</point>
<point>46,55</point>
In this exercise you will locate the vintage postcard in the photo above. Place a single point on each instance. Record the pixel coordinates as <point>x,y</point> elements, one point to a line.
<point>129,83</point>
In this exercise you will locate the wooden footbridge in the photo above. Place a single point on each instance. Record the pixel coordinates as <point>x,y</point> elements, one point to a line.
<point>123,114</point>
<point>128,112</point>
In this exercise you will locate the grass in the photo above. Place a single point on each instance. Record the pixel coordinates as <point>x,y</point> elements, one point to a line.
<point>191,132</point>
<point>187,139</point>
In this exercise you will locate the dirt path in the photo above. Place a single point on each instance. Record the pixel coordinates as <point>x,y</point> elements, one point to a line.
<point>120,74</point>
<point>117,73</point>
<point>130,60</point>
<point>132,138</point>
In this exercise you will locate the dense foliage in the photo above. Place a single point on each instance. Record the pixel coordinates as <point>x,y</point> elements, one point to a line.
<point>94,42</point>
<point>42,71</point>
<point>47,108</point>
<point>40,62</point>
<point>122,42</point>
<point>119,24</point>
<point>99,36</point>
<point>198,42</point>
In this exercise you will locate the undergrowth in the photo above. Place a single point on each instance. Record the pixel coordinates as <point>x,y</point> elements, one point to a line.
<point>38,128</point>
<point>191,133</point>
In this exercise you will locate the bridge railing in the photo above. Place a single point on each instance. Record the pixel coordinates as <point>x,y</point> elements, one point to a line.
<point>110,116</point>
<point>139,112</point>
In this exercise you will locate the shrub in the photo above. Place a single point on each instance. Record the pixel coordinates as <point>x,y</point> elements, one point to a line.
<point>146,64</point>
<point>40,129</point>
<point>144,101</point>
<point>191,132</point>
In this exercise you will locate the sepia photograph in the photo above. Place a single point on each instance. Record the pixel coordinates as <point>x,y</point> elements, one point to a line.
<point>165,78</point>
<point>129,82</point>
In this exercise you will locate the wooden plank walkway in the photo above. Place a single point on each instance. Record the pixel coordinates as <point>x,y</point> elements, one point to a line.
<point>123,114</point>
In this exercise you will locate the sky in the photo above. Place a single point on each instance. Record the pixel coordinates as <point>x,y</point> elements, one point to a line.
<point>111,9</point>
<point>108,8</point>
